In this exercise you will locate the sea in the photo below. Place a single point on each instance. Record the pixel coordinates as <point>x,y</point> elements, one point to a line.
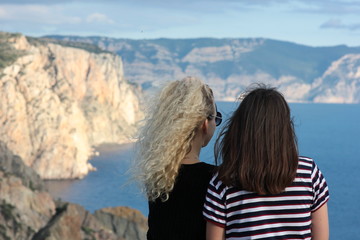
<point>328,133</point>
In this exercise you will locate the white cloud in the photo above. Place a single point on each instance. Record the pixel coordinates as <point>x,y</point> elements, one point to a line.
<point>3,13</point>
<point>37,9</point>
<point>295,20</point>
<point>99,18</point>
<point>333,23</point>
<point>338,7</point>
<point>35,14</point>
<point>338,24</point>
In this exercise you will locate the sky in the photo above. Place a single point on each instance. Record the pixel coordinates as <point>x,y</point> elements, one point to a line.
<point>307,22</point>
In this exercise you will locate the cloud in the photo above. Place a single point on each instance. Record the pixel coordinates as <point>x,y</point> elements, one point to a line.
<point>173,18</point>
<point>309,6</point>
<point>333,23</point>
<point>339,7</point>
<point>3,13</point>
<point>44,2</point>
<point>35,14</point>
<point>193,5</point>
<point>99,18</point>
<point>338,24</point>
<point>11,12</point>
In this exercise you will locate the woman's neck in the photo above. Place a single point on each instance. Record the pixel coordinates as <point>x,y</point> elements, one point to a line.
<point>193,155</point>
<point>190,159</point>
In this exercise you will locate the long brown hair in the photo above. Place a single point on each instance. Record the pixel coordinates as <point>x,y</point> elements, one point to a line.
<point>258,145</point>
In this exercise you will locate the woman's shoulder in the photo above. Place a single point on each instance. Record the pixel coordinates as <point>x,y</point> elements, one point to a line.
<point>208,168</point>
<point>307,163</point>
<point>305,159</point>
<point>200,165</point>
<point>208,165</point>
<point>200,172</point>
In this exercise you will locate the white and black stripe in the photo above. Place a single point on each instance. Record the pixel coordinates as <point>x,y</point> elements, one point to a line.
<point>247,215</point>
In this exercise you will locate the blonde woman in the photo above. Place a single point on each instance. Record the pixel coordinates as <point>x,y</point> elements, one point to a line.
<point>182,119</point>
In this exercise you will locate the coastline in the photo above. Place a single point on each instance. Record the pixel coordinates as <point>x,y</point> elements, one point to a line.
<point>110,183</point>
<point>106,148</point>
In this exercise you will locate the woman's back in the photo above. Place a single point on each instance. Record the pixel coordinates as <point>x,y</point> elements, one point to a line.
<point>180,215</point>
<point>287,215</point>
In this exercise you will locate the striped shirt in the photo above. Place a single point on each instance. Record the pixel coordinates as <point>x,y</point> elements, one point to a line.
<point>247,215</point>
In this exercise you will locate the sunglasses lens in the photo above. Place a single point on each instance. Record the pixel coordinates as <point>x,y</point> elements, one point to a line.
<point>218,118</point>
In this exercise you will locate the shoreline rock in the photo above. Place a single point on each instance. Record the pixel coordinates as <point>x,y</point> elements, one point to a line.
<point>28,212</point>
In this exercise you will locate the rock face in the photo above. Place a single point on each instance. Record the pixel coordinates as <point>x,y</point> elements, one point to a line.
<point>27,211</point>
<point>25,206</point>
<point>56,102</point>
<point>341,82</point>
<point>229,66</point>
<point>72,221</point>
<point>125,222</point>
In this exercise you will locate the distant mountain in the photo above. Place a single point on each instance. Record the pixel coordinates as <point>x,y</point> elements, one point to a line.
<point>229,66</point>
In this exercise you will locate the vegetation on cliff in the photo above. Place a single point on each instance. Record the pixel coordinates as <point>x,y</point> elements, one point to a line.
<point>8,54</point>
<point>80,45</point>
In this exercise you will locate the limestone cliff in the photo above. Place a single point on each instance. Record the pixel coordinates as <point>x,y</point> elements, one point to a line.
<point>56,102</point>
<point>340,83</point>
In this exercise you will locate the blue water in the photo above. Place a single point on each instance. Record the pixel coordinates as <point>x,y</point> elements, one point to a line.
<point>329,133</point>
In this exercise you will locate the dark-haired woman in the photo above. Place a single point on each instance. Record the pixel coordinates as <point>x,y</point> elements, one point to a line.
<point>263,190</point>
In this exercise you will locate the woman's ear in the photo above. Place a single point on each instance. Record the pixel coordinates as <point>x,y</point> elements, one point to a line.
<point>204,132</point>
<point>205,126</point>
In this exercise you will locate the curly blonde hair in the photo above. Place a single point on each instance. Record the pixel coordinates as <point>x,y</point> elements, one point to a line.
<point>174,116</point>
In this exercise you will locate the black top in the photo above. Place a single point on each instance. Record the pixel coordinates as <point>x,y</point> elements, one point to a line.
<point>180,217</point>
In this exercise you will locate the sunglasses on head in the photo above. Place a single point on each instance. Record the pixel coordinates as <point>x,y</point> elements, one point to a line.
<point>218,117</point>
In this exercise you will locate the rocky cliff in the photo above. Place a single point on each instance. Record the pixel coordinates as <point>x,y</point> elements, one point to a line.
<point>27,211</point>
<point>24,204</point>
<point>340,83</point>
<point>302,73</point>
<point>57,101</point>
